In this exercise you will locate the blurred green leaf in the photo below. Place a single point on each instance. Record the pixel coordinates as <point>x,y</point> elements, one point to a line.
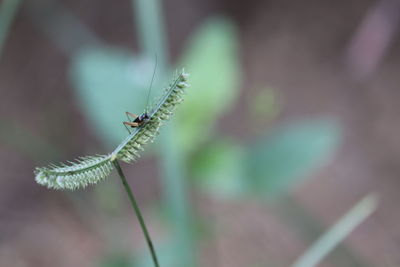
<point>212,60</point>
<point>265,105</point>
<point>108,82</point>
<point>218,167</point>
<point>116,259</point>
<point>289,153</point>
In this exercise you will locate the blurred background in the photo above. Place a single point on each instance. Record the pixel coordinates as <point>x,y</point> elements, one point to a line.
<point>291,121</point>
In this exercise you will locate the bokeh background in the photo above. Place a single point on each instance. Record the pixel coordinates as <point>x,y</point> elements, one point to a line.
<point>291,120</point>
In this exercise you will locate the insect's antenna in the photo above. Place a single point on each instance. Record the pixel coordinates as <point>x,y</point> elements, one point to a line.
<point>151,84</point>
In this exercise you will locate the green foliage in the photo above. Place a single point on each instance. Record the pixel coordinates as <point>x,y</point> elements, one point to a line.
<point>265,105</point>
<point>116,260</point>
<point>109,81</point>
<point>212,57</point>
<point>269,166</point>
<point>219,168</point>
<point>287,154</point>
<point>91,170</point>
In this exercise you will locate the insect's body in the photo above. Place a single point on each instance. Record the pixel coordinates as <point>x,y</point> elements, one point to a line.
<point>138,120</point>
<point>144,117</point>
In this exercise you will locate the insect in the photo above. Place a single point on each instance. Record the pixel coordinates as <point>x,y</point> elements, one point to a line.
<point>138,120</point>
<point>144,117</point>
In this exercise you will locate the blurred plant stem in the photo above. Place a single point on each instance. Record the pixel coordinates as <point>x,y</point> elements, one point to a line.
<point>338,232</point>
<point>8,9</point>
<point>153,41</point>
<point>137,212</point>
<point>309,229</point>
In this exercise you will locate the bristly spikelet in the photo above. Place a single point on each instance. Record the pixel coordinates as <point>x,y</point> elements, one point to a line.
<point>85,171</point>
<point>130,148</point>
<point>91,170</point>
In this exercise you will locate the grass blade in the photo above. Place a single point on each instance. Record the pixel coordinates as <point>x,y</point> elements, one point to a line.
<point>338,232</point>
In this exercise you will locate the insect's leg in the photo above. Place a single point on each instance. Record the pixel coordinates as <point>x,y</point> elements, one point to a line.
<point>133,124</point>
<point>129,119</point>
<point>126,127</point>
<point>130,115</point>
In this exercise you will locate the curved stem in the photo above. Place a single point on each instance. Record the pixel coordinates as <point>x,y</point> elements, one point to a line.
<point>137,212</point>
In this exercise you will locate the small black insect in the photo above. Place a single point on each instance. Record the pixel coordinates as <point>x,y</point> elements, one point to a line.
<point>144,117</point>
<point>138,120</point>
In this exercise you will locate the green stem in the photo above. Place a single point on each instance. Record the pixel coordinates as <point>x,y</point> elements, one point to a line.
<point>137,212</point>
<point>309,229</point>
<point>338,232</point>
<point>153,40</point>
<point>176,197</point>
<point>8,9</point>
